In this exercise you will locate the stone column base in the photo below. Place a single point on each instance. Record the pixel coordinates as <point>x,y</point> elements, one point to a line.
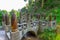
<point>15,35</point>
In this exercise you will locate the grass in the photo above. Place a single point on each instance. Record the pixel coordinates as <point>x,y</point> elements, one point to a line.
<point>58,32</point>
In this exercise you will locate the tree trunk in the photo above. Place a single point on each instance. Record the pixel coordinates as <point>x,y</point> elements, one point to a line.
<point>42,4</point>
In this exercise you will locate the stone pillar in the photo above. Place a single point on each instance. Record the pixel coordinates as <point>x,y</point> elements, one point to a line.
<point>7,23</point>
<point>39,26</point>
<point>54,22</point>
<point>50,21</point>
<point>14,29</point>
<point>15,35</point>
<point>3,21</point>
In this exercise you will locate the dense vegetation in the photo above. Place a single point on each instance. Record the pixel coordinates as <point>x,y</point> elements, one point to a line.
<point>9,13</point>
<point>43,6</point>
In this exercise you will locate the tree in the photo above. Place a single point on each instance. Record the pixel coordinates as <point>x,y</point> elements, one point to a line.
<point>0,17</point>
<point>2,12</point>
<point>25,0</point>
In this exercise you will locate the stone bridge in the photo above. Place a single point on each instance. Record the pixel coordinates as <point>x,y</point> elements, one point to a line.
<point>26,30</point>
<point>31,29</point>
<point>29,25</point>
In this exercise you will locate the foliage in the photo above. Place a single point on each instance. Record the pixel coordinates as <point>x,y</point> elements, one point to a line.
<point>9,13</point>
<point>36,6</point>
<point>55,11</point>
<point>25,0</point>
<point>0,17</point>
<point>48,34</point>
<point>16,12</point>
<point>4,11</point>
<point>58,37</point>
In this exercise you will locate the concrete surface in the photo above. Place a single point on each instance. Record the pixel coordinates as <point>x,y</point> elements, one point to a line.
<point>3,35</point>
